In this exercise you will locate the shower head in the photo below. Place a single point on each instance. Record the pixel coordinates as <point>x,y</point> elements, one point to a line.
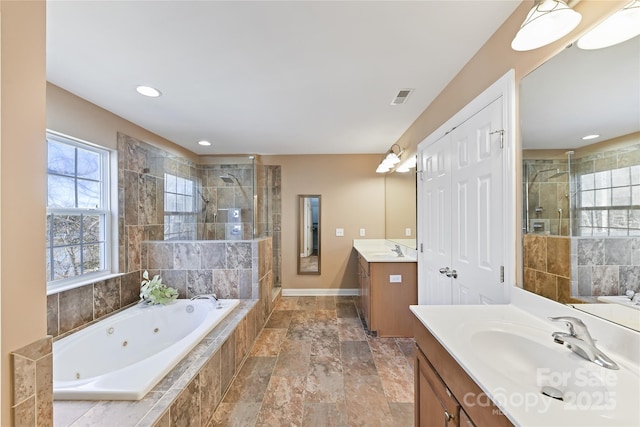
<point>229,178</point>
<point>557,174</point>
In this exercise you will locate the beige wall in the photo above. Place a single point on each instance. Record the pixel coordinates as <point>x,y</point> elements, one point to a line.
<point>22,183</point>
<point>352,198</point>
<point>76,117</point>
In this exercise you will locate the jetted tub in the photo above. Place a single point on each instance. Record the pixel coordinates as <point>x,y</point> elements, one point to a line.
<point>127,354</point>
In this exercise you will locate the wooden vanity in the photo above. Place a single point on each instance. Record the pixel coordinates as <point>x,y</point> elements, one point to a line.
<point>385,303</point>
<point>444,393</point>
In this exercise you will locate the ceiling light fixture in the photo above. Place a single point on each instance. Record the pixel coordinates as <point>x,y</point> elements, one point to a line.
<point>547,21</point>
<point>391,158</point>
<point>619,27</point>
<point>593,136</point>
<point>148,91</point>
<point>204,143</point>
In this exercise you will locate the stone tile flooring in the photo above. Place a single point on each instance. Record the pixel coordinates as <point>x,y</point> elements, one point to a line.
<point>314,365</point>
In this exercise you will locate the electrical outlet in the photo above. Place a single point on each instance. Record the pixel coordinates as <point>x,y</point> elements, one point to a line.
<point>395,278</point>
<point>362,232</point>
<point>339,232</point>
<point>407,232</point>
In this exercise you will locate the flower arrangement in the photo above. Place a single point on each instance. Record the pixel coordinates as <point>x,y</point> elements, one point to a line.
<point>155,292</point>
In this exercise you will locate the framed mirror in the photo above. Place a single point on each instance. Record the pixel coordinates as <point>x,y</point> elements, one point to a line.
<point>309,254</point>
<point>580,126</point>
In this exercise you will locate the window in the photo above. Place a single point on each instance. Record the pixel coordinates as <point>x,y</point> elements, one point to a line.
<point>609,202</point>
<point>179,208</point>
<point>78,216</point>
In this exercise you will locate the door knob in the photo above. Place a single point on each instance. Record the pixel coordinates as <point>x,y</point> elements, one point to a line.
<point>452,273</point>
<point>444,270</point>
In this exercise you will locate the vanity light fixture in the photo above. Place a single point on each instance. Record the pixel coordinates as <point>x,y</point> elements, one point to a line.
<point>547,21</point>
<point>588,137</point>
<point>148,91</point>
<point>407,165</point>
<point>391,158</point>
<point>204,143</point>
<point>619,27</point>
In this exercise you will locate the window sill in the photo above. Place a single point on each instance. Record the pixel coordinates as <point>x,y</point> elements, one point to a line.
<point>54,289</point>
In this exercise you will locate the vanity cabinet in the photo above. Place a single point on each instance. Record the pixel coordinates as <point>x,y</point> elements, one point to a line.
<point>385,301</point>
<point>444,394</point>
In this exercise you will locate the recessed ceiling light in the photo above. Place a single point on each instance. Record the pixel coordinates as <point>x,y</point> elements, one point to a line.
<point>204,143</point>
<point>148,91</point>
<point>594,136</point>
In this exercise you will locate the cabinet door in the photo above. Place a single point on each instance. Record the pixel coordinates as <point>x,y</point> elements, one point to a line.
<point>434,405</point>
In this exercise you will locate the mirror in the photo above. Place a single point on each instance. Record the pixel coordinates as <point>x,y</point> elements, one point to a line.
<point>581,199</point>
<point>309,234</point>
<point>400,208</point>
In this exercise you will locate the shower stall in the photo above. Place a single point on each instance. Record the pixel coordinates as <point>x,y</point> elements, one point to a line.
<point>236,199</point>
<point>548,198</point>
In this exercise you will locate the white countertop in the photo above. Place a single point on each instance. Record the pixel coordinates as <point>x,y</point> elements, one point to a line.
<point>381,250</point>
<point>509,352</point>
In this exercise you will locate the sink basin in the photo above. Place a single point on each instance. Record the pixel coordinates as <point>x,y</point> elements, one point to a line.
<point>529,357</point>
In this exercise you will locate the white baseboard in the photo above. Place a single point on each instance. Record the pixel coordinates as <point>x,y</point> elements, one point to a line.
<point>320,292</point>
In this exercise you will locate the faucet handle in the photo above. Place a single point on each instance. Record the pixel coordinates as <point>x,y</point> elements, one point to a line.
<point>577,328</point>
<point>630,294</point>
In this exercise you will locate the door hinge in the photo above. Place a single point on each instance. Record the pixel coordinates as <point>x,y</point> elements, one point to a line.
<point>501,132</point>
<point>421,248</point>
<point>502,274</point>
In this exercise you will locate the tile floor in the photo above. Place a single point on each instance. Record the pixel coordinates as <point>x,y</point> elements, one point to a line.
<point>314,365</point>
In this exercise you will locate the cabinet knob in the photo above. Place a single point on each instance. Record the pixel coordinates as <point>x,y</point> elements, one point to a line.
<point>447,417</point>
<point>444,270</point>
<point>452,273</point>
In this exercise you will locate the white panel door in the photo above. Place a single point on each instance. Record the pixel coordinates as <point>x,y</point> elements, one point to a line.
<point>436,177</point>
<point>462,213</point>
<point>476,208</point>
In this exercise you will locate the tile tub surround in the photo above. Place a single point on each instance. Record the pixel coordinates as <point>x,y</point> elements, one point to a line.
<point>33,384</point>
<point>189,394</point>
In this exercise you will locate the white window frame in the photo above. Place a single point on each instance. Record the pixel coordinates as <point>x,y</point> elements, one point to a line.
<point>191,213</point>
<point>109,257</point>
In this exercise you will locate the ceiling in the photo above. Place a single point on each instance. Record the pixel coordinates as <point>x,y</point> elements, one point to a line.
<point>582,92</point>
<point>296,77</point>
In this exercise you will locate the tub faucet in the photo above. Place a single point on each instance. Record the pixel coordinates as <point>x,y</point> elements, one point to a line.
<point>580,342</point>
<point>397,250</point>
<point>211,297</point>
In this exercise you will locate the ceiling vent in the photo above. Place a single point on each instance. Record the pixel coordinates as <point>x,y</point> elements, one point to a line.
<point>401,97</point>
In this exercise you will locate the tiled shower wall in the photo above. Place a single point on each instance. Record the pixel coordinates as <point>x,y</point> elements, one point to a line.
<point>547,266</point>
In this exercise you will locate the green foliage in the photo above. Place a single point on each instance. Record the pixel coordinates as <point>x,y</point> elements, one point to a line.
<point>154,292</point>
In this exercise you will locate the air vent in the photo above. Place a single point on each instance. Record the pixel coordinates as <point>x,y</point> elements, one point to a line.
<point>401,97</point>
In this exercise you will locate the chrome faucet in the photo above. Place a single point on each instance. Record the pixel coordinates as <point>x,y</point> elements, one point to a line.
<point>580,341</point>
<point>211,297</point>
<point>397,250</point>
<point>633,296</point>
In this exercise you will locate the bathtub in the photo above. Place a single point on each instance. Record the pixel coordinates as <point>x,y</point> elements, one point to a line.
<point>127,354</point>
